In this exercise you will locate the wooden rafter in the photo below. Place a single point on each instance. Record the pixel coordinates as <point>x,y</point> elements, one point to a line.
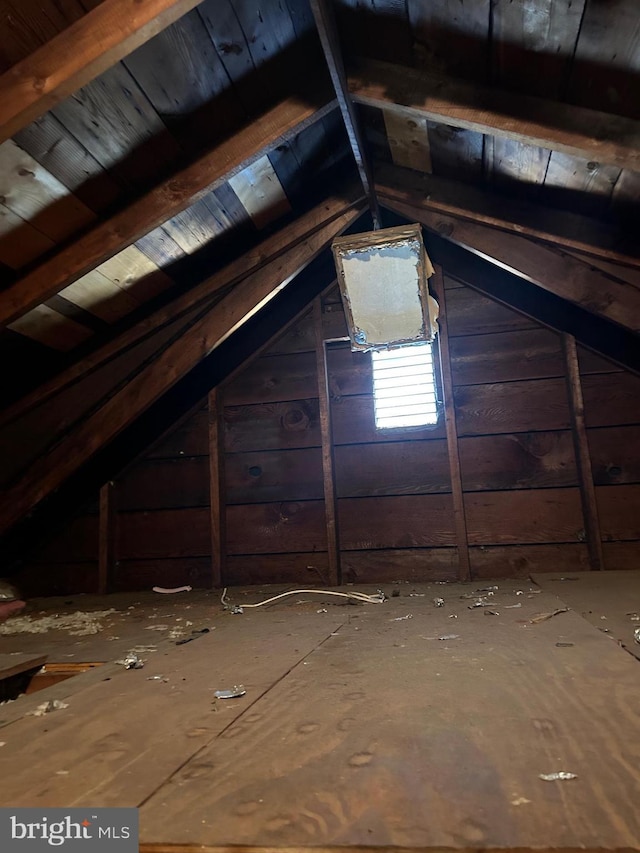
<point>91,45</point>
<point>167,199</point>
<point>548,268</point>
<point>327,30</point>
<point>520,294</point>
<point>252,261</point>
<point>464,201</point>
<point>581,132</point>
<point>182,353</point>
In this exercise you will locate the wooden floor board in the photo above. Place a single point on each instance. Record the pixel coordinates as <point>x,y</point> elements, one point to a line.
<point>15,664</point>
<point>388,738</point>
<point>359,727</point>
<point>608,600</point>
<point>118,739</point>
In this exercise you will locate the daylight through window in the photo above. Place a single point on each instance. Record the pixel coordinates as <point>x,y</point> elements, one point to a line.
<point>404,388</point>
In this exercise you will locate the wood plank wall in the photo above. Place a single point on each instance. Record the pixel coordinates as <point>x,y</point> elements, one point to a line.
<point>395,519</point>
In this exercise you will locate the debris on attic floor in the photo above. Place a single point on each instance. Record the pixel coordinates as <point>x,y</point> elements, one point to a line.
<point>78,624</point>
<point>173,590</point>
<point>484,687</point>
<point>131,661</point>
<point>234,692</point>
<point>542,617</point>
<point>11,601</point>
<point>182,389</point>
<point>47,707</point>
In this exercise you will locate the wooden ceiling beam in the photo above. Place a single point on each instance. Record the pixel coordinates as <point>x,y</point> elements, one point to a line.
<point>209,330</point>
<point>250,262</point>
<point>519,294</point>
<point>561,227</point>
<point>581,132</point>
<point>327,30</point>
<point>91,45</point>
<point>164,201</point>
<point>547,268</point>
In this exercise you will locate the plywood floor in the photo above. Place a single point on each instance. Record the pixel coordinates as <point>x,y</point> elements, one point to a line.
<point>359,726</point>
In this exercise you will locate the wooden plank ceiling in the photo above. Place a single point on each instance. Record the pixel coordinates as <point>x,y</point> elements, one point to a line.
<point>135,167</point>
<point>195,127</point>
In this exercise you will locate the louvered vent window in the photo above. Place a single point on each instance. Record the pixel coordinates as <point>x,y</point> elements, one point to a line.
<point>404,388</point>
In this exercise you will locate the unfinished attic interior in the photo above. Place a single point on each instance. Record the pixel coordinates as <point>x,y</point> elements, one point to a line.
<point>193,423</point>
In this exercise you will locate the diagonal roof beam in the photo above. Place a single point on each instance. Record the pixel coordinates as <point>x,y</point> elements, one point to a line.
<point>550,269</point>
<point>328,32</point>
<point>187,394</point>
<point>578,131</point>
<point>599,335</point>
<point>209,330</point>
<point>167,199</point>
<point>181,308</point>
<point>562,227</point>
<point>79,54</point>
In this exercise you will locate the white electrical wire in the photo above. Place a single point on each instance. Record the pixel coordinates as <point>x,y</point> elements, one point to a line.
<point>376,598</point>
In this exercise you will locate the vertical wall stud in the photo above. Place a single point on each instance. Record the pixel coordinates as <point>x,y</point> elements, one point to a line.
<point>330,508</point>
<point>583,457</point>
<point>436,284</point>
<point>217,488</point>
<point>106,538</point>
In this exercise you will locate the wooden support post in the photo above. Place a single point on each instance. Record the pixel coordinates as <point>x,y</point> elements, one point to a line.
<point>217,488</point>
<point>464,571</point>
<point>583,457</point>
<point>106,538</point>
<point>330,507</point>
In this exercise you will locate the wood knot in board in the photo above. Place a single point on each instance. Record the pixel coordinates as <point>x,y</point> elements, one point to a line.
<point>286,511</point>
<point>360,759</point>
<point>295,420</point>
<point>307,728</point>
<point>445,228</point>
<point>231,47</point>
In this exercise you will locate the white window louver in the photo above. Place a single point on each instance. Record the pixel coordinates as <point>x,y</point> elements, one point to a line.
<point>404,388</point>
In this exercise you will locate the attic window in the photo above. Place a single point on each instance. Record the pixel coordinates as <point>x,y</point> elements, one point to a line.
<point>404,388</point>
<point>382,277</point>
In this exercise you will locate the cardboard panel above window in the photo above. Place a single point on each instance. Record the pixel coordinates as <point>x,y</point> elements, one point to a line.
<point>383,282</point>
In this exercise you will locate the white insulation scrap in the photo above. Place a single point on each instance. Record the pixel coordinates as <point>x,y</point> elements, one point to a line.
<point>560,776</point>
<point>47,708</point>
<point>77,624</point>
